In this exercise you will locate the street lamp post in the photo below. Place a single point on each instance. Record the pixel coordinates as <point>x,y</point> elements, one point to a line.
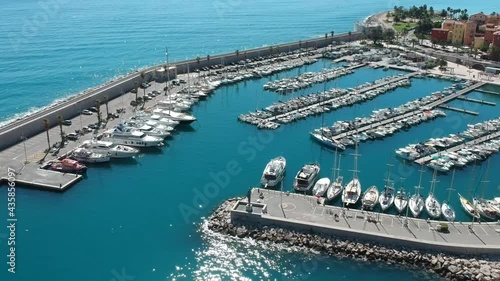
<point>168,71</point>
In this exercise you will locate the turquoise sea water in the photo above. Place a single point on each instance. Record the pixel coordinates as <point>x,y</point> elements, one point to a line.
<point>126,218</point>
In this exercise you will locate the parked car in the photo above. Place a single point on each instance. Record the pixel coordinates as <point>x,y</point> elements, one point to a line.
<point>145,85</point>
<point>66,122</point>
<point>72,136</point>
<point>93,109</point>
<point>86,112</point>
<point>133,103</point>
<point>94,126</point>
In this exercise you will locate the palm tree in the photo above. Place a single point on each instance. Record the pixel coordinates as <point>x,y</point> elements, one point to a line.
<point>106,99</point>
<point>143,75</point>
<point>136,87</point>
<point>59,117</point>
<point>98,106</point>
<point>208,57</point>
<point>237,52</point>
<point>349,36</point>
<point>332,32</point>
<point>47,127</point>
<point>144,98</point>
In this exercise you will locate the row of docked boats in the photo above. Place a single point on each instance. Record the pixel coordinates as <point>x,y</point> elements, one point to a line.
<point>317,103</point>
<point>306,180</point>
<point>444,160</point>
<point>325,136</point>
<point>305,80</point>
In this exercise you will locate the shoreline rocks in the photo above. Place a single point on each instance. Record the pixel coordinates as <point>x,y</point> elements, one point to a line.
<point>447,266</point>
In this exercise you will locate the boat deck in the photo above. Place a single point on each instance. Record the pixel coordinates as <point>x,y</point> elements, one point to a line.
<point>302,211</point>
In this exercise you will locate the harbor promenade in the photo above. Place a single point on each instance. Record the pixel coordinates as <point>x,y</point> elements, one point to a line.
<point>305,213</point>
<point>411,113</point>
<point>30,125</point>
<point>471,143</point>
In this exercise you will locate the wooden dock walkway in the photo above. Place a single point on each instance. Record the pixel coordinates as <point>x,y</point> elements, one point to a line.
<point>372,87</point>
<point>477,101</point>
<point>408,114</point>
<point>461,110</point>
<point>479,140</point>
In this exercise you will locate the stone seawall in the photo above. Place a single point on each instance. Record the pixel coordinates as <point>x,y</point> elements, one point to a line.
<point>447,266</point>
<point>33,124</point>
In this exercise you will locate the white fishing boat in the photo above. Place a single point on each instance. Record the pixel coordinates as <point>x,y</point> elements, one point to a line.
<point>416,202</point>
<point>130,137</point>
<point>274,172</point>
<point>446,208</point>
<point>386,198</point>
<point>352,191</point>
<point>401,200</point>
<point>87,156</point>
<point>115,151</point>
<point>305,178</point>
<point>468,207</point>
<point>320,187</point>
<point>370,198</point>
<point>432,205</point>
<point>336,185</point>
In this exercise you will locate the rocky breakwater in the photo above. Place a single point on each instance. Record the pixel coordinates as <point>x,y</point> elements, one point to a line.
<point>447,266</point>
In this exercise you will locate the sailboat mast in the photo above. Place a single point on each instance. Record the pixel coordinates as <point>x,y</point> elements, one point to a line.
<point>417,188</point>
<point>387,181</point>
<point>451,185</point>
<point>485,181</point>
<point>334,169</point>
<point>433,182</point>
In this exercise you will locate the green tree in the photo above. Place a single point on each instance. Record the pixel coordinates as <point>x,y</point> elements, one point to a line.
<point>106,100</point>
<point>375,34</point>
<point>443,13</point>
<point>389,35</point>
<point>136,88</point>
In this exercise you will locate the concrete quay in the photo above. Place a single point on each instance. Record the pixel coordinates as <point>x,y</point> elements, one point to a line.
<point>409,114</point>
<point>31,125</point>
<point>304,213</point>
<point>471,143</point>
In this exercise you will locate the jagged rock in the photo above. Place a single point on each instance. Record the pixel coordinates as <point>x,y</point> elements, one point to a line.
<point>486,270</point>
<point>241,232</point>
<point>453,269</point>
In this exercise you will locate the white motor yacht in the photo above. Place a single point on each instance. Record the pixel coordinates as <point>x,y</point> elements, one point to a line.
<point>320,187</point>
<point>128,136</point>
<point>182,118</point>
<point>157,118</point>
<point>148,130</point>
<point>115,151</point>
<point>274,172</point>
<point>305,178</point>
<point>87,156</point>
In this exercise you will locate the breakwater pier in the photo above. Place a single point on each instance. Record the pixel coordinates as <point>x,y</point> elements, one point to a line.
<point>301,220</point>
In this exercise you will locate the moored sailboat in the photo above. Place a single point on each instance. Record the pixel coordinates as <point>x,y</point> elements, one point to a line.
<point>468,207</point>
<point>336,185</point>
<point>386,197</point>
<point>401,200</point>
<point>370,197</point>
<point>446,208</point>
<point>416,202</point>
<point>352,190</point>
<point>432,205</point>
